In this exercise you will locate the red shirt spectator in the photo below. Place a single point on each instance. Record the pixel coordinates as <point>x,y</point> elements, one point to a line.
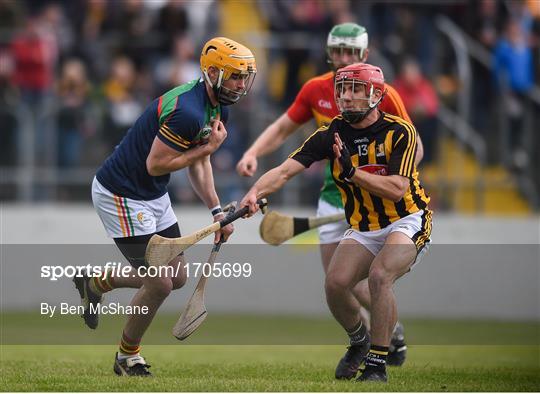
<point>422,104</point>
<point>417,93</point>
<point>35,54</point>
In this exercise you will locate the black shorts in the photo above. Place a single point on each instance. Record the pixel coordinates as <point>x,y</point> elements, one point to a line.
<point>134,248</point>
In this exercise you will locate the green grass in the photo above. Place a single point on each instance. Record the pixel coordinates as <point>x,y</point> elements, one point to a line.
<point>266,368</point>
<point>263,353</point>
<point>23,328</point>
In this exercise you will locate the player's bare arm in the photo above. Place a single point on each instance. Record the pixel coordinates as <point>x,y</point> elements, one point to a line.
<point>163,160</point>
<point>270,140</point>
<point>270,182</point>
<point>391,187</point>
<point>419,150</point>
<point>202,179</point>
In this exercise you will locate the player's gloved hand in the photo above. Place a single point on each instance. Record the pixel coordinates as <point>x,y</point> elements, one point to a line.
<point>343,155</point>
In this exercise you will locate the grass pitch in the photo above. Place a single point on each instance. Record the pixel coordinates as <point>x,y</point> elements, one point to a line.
<point>266,368</point>
<point>508,358</point>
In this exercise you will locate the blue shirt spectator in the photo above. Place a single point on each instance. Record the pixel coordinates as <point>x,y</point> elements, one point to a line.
<point>512,57</point>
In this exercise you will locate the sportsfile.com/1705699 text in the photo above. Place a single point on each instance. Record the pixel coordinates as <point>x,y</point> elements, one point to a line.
<point>115,269</point>
<point>218,270</point>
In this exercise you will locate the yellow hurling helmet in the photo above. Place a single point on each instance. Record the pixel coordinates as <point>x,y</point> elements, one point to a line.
<point>231,59</point>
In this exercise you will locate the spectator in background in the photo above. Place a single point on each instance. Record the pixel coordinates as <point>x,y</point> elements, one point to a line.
<point>9,96</point>
<point>398,29</point>
<point>421,102</point>
<point>527,14</point>
<point>92,21</point>
<point>484,22</point>
<point>11,15</point>
<point>534,9</point>
<point>134,25</point>
<point>513,73</point>
<point>296,23</point>
<point>9,93</point>
<point>54,22</point>
<point>73,114</point>
<point>35,52</point>
<point>178,69</point>
<point>340,11</point>
<point>172,21</point>
<point>122,104</point>
<point>521,13</point>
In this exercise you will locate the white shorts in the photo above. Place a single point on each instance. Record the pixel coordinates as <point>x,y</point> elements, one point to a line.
<point>123,217</point>
<point>416,226</point>
<point>332,232</point>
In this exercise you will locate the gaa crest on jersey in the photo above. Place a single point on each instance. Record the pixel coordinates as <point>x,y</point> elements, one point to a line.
<point>204,133</point>
<point>380,150</point>
<point>202,136</point>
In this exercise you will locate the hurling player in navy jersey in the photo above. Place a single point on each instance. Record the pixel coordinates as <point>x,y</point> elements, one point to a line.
<point>180,129</point>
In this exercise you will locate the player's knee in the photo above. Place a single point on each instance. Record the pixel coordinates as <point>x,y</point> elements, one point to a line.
<point>335,283</point>
<point>361,291</point>
<point>179,277</point>
<point>160,288</point>
<point>379,278</point>
<point>178,282</point>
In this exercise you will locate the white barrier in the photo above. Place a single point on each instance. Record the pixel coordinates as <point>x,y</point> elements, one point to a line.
<point>479,267</point>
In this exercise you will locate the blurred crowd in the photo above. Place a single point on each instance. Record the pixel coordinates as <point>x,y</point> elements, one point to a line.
<point>80,72</point>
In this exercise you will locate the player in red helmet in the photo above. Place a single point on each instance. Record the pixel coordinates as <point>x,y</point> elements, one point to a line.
<point>353,78</point>
<point>347,43</point>
<point>371,155</point>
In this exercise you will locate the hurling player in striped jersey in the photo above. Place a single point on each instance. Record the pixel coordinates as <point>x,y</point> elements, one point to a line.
<point>347,43</point>
<point>371,156</point>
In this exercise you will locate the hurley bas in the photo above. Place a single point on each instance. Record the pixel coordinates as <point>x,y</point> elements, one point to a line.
<point>113,308</point>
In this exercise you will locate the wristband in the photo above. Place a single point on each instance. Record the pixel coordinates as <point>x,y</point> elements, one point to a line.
<point>216,210</point>
<point>349,177</point>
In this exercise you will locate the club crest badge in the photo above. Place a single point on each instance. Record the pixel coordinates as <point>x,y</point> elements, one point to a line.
<point>380,150</point>
<point>203,135</point>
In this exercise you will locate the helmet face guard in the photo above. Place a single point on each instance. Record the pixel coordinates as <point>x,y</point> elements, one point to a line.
<point>226,96</point>
<point>356,55</point>
<point>232,61</point>
<point>358,90</point>
<point>346,38</point>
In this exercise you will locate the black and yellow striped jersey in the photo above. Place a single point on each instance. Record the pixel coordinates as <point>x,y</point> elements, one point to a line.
<point>387,147</point>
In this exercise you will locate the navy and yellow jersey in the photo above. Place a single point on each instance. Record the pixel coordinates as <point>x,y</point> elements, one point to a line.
<point>387,147</point>
<point>180,119</point>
